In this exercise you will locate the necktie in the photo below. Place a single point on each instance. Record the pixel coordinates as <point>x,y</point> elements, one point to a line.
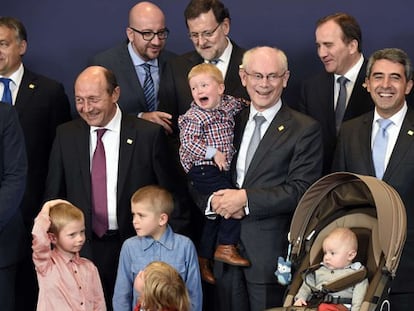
<point>255,140</point>
<point>98,183</point>
<point>379,147</point>
<point>341,103</point>
<point>214,61</point>
<point>7,96</point>
<point>149,90</point>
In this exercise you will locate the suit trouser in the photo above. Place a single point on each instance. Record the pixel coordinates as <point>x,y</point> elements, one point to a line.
<point>206,179</point>
<point>105,252</point>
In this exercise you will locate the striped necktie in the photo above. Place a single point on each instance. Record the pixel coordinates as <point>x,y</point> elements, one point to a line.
<point>149,89</point>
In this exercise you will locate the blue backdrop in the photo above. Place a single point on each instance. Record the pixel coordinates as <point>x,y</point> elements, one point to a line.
<point>63,35</point>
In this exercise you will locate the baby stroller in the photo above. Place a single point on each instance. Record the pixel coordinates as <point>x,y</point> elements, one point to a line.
<point>370,208</point>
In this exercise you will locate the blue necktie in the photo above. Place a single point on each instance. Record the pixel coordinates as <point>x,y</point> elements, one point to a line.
<point>379,147</point>
<point>341,102</point>
<point>255,140</point>
<point>149,90</point>
<point>7,96</point>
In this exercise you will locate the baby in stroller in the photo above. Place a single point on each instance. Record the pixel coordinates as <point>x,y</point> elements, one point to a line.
<point>339,249</point>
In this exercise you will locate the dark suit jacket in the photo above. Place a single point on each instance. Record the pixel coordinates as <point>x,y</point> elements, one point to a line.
<point>287,161</point>
<point>317,101</point>
<point>354,155</point>
<point>143,160</point>
<point>13,169</point>
<point>175,95</point>
<point>118,60</point>
<point>42,105</point>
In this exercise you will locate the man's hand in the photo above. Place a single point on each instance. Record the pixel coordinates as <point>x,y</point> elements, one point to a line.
<point>159,117</point>
<point>229,202</point>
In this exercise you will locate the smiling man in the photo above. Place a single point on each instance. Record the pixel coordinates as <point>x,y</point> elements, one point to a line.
<point>285,162</point>
<point>339,46</point>
<point>388,81</point>
<point>134,154</point>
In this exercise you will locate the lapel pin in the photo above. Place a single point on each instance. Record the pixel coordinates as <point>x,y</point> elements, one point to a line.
<point>31,86</point>
<point>129,141</point>
<point>410,132</point>
<point>281,128</point>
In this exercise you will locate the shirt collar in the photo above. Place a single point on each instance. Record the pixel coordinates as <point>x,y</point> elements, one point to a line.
<point>16,76</point>
<point>165,240</point>
<point>269,113</point>
<point>397,118</point>
<point>352,73</point>
<point>137,60</point>
<point>114,125</point>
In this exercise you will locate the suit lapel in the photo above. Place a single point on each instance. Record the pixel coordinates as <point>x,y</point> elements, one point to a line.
<point>82,150</point>
<point>403,144</point>
<point>126,148</point>
<point>364,142</point>
<point>27,87</point>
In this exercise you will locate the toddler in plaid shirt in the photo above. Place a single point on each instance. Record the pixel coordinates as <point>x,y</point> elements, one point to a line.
<point>206,151</point>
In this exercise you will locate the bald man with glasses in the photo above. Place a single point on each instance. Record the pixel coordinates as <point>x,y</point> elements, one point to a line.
<point>139,61</point>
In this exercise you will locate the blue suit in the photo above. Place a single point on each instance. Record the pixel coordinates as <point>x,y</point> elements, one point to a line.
<point>13,168</point>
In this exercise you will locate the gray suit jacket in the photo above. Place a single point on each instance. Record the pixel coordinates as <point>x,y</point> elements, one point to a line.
<point>287,161</point>
<point>118,60</point>
<point>353,154</point>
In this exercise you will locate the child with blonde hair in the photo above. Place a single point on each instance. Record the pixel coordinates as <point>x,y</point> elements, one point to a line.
<point>206,151</point>
<point>161,288</point>
<point>66,280</point>
<point>151,207</point>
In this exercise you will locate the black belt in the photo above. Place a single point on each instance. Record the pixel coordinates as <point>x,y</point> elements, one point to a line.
<point>336,299</point>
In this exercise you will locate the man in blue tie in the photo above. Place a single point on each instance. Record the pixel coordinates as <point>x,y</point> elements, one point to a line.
<point>41,105</point>
<point>139,63</point>
<point>381,143</point>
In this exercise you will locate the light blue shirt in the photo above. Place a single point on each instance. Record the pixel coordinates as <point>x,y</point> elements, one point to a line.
<point>172,248</point>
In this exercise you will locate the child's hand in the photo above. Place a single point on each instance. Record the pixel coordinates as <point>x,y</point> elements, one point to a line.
<point>300,302</point>
<point>220,160</point>
<point>46,207</point>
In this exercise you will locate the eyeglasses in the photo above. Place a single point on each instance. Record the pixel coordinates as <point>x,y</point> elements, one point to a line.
<point>205,34</point>
<point>271,77</point>
<point>149,35</point>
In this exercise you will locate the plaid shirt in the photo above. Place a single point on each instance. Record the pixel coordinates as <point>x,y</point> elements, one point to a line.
<point>201,128</point>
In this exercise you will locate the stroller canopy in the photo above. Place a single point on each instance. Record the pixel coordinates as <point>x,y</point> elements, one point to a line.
<point>338,193</point>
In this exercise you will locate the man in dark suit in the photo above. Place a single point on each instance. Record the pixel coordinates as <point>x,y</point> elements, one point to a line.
<point>339,45</point>
<point>42,105</point>
<point>136,155</point>
<point>388,82</point>
<point>208,23</point>
<point>13,168</point>
<point>147,35</point>
<point>286,162</point>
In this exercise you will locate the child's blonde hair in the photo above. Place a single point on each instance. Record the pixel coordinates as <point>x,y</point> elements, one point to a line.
<point>63,213</point>
<point>207,69</point>
<point>157,197</point>
<point>164,289</point>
